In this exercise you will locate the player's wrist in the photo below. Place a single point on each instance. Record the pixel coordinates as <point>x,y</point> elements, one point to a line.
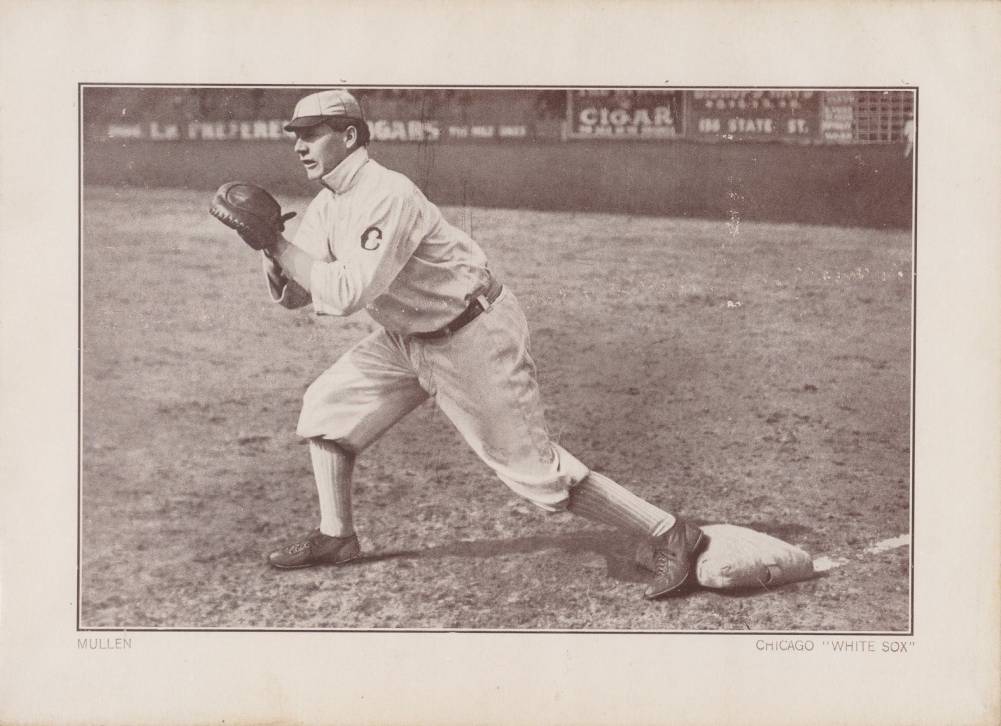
<point>275,250</point>
<point>273,268</point>
<point>295,264</point>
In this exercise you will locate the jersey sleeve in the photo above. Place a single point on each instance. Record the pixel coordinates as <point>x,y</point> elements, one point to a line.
<point>287,293</point>
<point>384,245</point>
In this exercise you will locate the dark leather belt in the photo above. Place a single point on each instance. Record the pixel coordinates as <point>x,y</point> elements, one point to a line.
<point>480,304</point>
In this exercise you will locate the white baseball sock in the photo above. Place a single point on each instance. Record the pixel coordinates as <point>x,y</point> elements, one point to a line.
<point>332,467</point>
<point>601,500</point>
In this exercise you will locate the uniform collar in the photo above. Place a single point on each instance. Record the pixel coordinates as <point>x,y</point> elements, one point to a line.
<point>344,175</point>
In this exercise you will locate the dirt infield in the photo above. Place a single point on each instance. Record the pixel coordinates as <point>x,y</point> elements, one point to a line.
<point>752,373</point>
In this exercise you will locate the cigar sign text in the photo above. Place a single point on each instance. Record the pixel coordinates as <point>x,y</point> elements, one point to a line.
<point>594,113</point>
<point>638,121</point>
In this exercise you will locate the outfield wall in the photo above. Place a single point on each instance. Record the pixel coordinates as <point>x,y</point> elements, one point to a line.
<point>859,185</point>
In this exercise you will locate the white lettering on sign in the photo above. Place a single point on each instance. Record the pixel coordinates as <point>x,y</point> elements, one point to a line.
<point>751,100</point>
<point>235,131</point>
<point>167,132</point>
<point>844,112</point>
<point>837,121</point>
<point>644,122</point>
<point>487,132</point>
<point>599,121</point>
<point>123,131</point>
<point>415,130</point>
<point>512,132</point>
<point>750,125</point>
<point>412,130</point>
<point>616,117</point>
<point>642,117</point>
<point>662,116</point>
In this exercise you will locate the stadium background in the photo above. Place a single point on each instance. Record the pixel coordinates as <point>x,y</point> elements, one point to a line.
<point>815,157</point>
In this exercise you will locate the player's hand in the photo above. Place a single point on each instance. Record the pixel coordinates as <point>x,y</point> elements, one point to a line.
<point>252,212</point>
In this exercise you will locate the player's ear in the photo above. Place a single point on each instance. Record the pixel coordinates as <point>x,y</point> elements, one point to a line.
<point>351,137</point>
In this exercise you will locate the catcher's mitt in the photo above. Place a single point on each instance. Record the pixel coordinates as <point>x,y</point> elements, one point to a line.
<point>251,211</point>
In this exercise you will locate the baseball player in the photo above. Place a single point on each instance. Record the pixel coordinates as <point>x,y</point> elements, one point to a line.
<point>370,240</point>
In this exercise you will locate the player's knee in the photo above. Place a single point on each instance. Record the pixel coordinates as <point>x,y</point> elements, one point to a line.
<point>549,489</point>
<point>315,406</point>
<point>335,445</point>
<point>311,395</point>
<point>314,417</point>
<point>551,498</point>
<point>550,507</point>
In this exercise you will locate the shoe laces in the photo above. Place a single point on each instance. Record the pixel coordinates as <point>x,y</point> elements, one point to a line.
<point>661,562</point>
<point>303,545</point>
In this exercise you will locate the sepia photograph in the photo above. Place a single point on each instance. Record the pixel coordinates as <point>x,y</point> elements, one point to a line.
<point>494,358</point>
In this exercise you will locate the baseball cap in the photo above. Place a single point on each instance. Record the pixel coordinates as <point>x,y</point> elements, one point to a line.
<point>322,106</point>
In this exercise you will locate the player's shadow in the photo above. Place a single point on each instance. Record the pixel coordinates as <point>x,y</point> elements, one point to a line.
<point>617,549</point>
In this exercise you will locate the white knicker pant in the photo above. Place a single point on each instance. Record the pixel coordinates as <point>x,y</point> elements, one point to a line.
<point>482,377</point>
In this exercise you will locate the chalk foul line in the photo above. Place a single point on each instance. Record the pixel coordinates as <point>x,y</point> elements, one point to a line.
<point>825,563</point>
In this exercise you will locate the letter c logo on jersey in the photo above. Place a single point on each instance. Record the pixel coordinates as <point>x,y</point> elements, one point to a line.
<point>366,238</point>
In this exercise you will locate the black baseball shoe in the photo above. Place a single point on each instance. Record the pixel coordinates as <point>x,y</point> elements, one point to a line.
<point>671,556</point>
<point>316,549</point>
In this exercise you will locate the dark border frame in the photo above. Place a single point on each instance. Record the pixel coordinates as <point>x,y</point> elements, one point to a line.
<point>79,410</point>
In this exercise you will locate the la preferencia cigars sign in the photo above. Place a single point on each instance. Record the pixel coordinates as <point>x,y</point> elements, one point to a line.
<point>271,130</point>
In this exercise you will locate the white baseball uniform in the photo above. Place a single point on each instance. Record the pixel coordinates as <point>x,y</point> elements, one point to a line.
<point>379,244</point>
<point>371,240</point>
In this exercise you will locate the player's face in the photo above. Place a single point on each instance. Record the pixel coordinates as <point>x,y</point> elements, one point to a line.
<point>320,149</point>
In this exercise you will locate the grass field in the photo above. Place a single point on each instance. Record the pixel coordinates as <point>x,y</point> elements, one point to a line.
<point>756,374</point>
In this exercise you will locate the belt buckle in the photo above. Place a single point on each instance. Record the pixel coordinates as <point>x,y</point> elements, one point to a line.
<point>484,303</point>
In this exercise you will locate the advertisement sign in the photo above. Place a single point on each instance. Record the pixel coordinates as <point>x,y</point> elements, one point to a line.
<point>437,130</point>
<point>754,115</point>
<point>393,115</point>
<point>422,130</point>
<point>625,114</point>
<point>837,120</point>
<point>439,116</point>
<point>259,130</point>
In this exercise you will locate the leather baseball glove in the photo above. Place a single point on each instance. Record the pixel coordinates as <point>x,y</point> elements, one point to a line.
<point>251,211</point>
